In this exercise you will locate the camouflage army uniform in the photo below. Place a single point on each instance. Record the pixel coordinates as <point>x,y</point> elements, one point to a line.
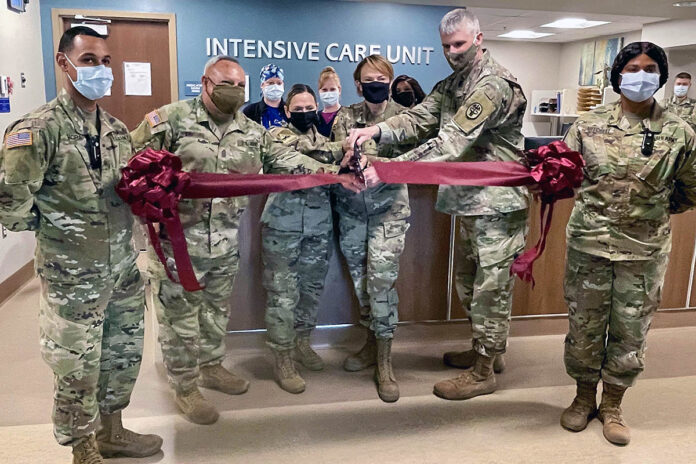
<point>192,324</point>
<point>92,299</point>
<point>619,237</point>
<point>372,229</point>
<point>296,237</point>
<point>478,112</point>
<point>685,109</point>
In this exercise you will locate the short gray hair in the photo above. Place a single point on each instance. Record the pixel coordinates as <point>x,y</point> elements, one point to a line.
<point>217,59</point>
<point>453,20</point>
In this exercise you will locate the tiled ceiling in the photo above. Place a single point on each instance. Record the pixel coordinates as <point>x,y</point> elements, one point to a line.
<point>499,16</point>
<point>496,21</point>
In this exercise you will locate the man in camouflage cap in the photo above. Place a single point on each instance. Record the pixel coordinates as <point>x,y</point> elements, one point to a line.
<point>478,111</point>
<point>680,103</point>
<point>58,168</point>
<point>209,135</point>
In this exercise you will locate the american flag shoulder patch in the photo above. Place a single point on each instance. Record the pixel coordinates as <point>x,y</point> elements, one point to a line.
<point>21,138</point>
<point>154,118</point>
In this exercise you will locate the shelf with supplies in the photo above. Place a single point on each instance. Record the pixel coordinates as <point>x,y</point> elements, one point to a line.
<point>557,105</point>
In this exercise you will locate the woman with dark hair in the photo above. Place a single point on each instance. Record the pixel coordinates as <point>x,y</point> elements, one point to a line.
<point>406,91</point>
<point>296,237</point>
<point>640,168</point>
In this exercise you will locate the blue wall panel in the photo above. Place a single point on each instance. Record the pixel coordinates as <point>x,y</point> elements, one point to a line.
<point>321,21</point>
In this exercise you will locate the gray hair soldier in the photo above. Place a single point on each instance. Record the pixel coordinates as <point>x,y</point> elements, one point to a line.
<point>58,169</point>
<point>476,113</point>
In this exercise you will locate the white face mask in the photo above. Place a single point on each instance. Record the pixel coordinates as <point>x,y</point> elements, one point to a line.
<point>681,90</point>
<point>93,82</point>
<point>639,86</point>
<point>274,92</point>
<point>329,98</point>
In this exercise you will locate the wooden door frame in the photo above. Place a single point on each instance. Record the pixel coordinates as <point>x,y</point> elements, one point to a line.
<point>58,14</point>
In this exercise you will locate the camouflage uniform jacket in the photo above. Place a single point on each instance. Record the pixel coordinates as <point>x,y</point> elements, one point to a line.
<point>622,209</point>
<point>478,113</point>
<point>685,109</point>
<point>47,185</point>
<point>388,201</point>
<point>185,129</point>
<point>307,211</point>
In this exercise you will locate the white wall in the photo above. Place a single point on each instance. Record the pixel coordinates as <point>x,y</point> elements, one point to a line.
<point>20,35</point>
<point>569,64</point>
<point>534,65</point>
<point>668,34</point>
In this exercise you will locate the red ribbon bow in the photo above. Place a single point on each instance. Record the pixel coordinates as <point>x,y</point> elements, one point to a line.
<point>153,184</point>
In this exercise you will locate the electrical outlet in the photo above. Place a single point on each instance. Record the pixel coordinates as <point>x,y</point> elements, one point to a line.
<point>23,80</point>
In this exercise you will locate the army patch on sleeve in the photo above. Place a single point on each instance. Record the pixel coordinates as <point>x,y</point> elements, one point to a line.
<point>21,138</point>
<point>475,110</point>
<point>154,118</point>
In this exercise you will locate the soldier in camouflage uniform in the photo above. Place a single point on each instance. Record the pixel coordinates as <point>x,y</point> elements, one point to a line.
<point>209,135</point>
<point>92,300</point>
<point>478,111</point>
<point>296,237</point>
<point>372,229</point>
<point>619,234</point>
<point>680,104</point>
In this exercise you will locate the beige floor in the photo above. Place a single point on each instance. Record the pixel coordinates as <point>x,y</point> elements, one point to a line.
<point>340,420</point>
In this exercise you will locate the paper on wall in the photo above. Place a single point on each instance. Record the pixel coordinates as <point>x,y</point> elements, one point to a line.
<point>138,78</point>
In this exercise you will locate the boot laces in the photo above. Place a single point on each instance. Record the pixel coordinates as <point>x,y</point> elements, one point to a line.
<point>287,367</point>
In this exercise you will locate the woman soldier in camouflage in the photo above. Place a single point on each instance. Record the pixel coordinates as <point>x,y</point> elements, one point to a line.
<point>640,169</point>
<point>372,227</point>
<point>296,237</point>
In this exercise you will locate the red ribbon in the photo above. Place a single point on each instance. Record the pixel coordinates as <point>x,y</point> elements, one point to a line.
<point>153,184</point>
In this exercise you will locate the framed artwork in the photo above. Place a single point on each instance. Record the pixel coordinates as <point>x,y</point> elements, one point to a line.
<point>596,59</point>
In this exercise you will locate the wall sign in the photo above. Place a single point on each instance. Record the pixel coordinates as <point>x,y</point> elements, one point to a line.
<point>313,51</point>
<point>4,105</point>
<point>193,88</point>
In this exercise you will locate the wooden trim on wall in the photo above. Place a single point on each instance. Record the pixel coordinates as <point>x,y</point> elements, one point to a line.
<point>57,15</point>
<point>16,281</point>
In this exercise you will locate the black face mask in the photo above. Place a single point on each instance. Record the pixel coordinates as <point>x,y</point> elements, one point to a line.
<point>375,92</point>
<point>406,98</point>
<point>304,120</point>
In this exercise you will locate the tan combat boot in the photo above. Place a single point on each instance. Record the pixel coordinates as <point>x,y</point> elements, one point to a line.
<point>286,373</point>
<point>583,409</point>
<point>85,451</point>
<point>387,388</point>
<point>196,408</point>
<point>466,359</point>
<point>306,355</point>
<point>218,378</point>
<point>366,357</point>
<point>113,440</point>
<point>615,429</point>
<point>480,380</point>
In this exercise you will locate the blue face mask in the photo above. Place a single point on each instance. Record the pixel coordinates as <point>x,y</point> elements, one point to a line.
<point>639,86</point>
<point>93,82</point>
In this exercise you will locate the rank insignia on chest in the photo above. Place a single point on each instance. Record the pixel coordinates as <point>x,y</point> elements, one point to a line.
<point>474,110</point>
<point>21,138</point>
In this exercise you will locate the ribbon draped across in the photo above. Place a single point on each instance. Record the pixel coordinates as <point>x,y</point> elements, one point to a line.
<point>153,184</point>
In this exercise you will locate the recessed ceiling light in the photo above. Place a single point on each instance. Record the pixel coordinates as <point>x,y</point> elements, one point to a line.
<point>684,4</point>
<point>520,34</point>
<point>574,23</point>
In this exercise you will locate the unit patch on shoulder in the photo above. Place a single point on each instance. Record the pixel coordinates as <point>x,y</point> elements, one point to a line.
<point>21,138</point>
<point>474,110</point>
<point>154,118</point>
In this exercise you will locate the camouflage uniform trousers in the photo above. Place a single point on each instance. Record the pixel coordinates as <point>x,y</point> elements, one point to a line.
<point>372,248</point>
<point>484,251</point>
<point>192,325</point>
<point>92,339</point>
<point>295,268</point>
<point>611,305</point>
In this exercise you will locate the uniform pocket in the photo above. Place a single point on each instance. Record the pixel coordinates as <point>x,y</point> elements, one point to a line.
<point>395,228</point>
